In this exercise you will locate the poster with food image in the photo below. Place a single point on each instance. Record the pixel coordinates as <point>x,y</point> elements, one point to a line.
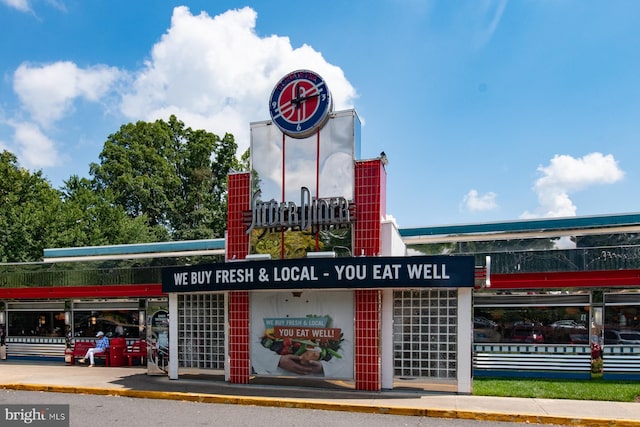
<point>312,337</point>
<point>303,334</point>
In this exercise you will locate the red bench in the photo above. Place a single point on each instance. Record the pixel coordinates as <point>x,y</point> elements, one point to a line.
<point>137,349</point>
<point>80,349</point>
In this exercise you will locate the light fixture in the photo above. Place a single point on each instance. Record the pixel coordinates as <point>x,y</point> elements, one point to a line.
<point>325,254</point>
<point>258,257</point>
<point>2,317</point>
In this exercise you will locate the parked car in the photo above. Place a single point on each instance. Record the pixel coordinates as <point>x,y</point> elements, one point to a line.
<point>615,337</point>
<point>527,332</point>
<point>572,324</point>
<point>484,323</point>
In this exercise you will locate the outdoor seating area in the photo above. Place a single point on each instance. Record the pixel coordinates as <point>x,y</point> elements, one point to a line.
<point>136,350</point>
<point>117,354</point>
<point>79,350</point>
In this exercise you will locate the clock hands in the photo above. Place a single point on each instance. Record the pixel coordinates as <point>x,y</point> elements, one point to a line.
<point>291,106</point>
<point>304,98</point>
<point>298,90</point>
<point>300,95</point>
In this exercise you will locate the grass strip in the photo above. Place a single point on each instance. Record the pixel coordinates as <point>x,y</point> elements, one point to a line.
<point>594,389</point>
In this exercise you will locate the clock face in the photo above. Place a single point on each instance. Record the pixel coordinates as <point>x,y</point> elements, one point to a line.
<point>300,103</point>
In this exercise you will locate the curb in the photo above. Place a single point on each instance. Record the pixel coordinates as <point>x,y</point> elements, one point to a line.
<point>327,405</point>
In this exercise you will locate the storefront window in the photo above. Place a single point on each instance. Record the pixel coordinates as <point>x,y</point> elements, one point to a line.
<point>519,319</point>
<point>36,323</point>
<point>113,323</point>
<point>622,325</point>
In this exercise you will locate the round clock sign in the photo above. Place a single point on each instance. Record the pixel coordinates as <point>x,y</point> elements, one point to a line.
<point>300,103</point>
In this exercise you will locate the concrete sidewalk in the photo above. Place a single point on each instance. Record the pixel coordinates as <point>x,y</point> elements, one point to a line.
<point>134,382</point>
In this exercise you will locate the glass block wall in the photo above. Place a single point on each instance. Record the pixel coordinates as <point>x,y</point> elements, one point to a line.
<point>425,333</point>
<point>201,331</point>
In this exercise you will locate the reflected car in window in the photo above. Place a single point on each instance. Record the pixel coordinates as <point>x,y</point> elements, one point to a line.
<point>527,333</point>
<point>572,324</point>
<point>484,323</point>
<point>615,337</point>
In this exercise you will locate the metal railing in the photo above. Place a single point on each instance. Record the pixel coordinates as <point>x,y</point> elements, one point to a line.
<point>581,259</point>
<point>114,272</point>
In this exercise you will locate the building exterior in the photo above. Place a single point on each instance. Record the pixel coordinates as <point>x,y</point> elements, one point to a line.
<point>562,298</point>
<point>288,294</point>
<point>314,280</point>
<point>594,283</point>
<point>337,300</point>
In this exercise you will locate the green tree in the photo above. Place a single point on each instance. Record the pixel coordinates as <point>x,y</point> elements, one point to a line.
<point>174,175</point>
<point>89,217</point>
<point>29,207</point>
<point>137,164</point>
<point>204,161</point>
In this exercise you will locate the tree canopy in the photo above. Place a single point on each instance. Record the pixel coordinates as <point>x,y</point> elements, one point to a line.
<point>174,175</point>
<point>154,182</point>
<point>27,205</point>
<point>90,217</point>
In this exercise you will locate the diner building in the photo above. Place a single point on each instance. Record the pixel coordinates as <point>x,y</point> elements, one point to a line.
<point>315,280</point>
<point>560,299</point>
<point>315,273</point>
<point>314,286</point>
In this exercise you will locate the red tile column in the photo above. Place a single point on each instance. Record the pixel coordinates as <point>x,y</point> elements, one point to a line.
<point>239,200</point>
<point>367,348</point>
<point>370,200</point>
<point>239,365</point>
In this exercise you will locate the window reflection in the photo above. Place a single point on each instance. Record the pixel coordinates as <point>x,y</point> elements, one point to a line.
<point>36,323</point>
<point>622,325</point>
<point>113,323</point>
<point>531,325</point>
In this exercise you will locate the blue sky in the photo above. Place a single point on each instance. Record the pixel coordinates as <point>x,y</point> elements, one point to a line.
<point>488,110</point>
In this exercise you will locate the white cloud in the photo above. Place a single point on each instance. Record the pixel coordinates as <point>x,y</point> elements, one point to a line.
<point>474,202</point>
<point>21,5</point>
<point>25,5</point>
<point>565,175</point>
<point>36,149</point>
<point>213,73</point>
<point>47,92</point>
<point>216,73</point>
<point>491,12</point>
